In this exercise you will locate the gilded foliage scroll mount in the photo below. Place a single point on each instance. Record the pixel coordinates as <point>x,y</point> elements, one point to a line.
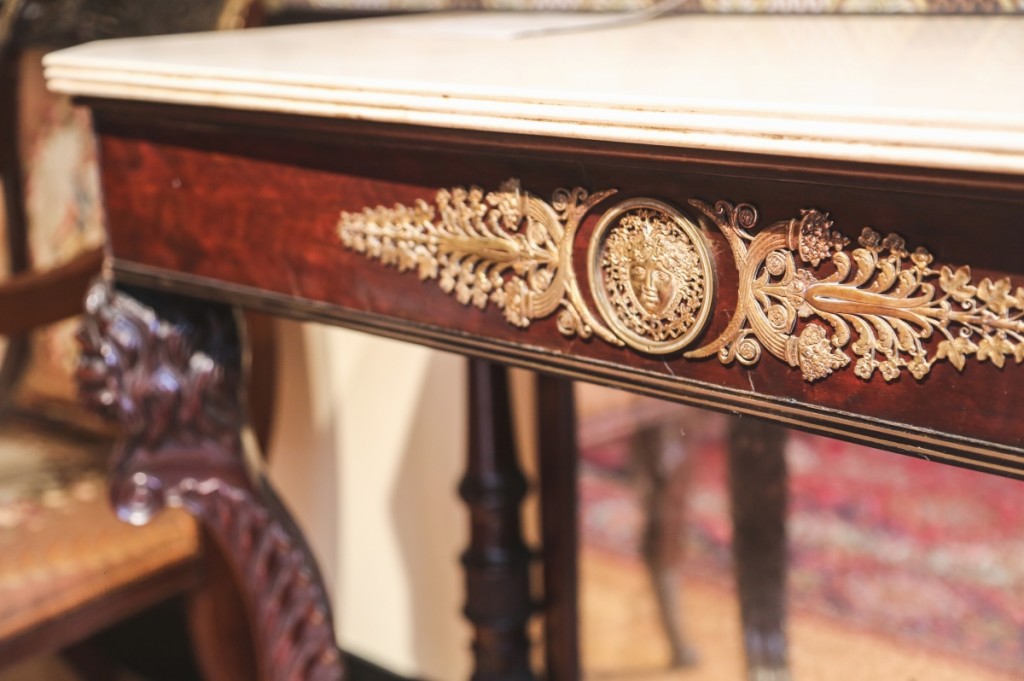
<point>506,248</point>
<point>803,295</point>
<point>889,306</point>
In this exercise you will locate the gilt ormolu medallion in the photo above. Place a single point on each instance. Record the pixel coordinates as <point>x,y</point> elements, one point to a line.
<point>651,275</point>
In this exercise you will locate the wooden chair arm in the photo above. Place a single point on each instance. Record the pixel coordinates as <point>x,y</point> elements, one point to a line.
<point>35,299</point>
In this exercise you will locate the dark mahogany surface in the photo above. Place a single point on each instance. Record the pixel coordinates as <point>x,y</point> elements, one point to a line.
<point>244,207</point>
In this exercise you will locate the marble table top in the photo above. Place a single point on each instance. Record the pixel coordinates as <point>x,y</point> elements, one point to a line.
<point>942,92</point>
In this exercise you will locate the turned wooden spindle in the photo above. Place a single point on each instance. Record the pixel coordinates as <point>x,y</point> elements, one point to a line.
<point>497,562</point>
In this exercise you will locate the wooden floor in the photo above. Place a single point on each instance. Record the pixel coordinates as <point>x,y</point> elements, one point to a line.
<point>621,640</point>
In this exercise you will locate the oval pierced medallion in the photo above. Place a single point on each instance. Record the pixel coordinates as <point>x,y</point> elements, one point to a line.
<point>651,274</point>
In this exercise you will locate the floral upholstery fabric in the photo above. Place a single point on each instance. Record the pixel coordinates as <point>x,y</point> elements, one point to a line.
<point>63,212</point>
<point>59,163</point>
<point>61,175</point>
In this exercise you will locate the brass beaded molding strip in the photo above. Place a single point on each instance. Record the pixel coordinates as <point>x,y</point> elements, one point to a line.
<point>653,279</point>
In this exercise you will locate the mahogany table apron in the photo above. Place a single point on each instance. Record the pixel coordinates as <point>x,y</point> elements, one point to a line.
<point>832,328</point>
<point>247,209</point>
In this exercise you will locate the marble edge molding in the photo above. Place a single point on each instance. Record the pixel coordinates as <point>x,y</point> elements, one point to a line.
<point>947,146</point>
<point>75,67</point>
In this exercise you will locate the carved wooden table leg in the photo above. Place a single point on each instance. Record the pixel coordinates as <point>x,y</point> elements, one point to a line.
<point>559,498</point>
<point>662,461</point>
<point>497,562</point>
<point>759,496</point>
<point>170,370</point>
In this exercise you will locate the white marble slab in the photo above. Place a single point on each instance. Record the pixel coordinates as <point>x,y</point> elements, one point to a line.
<point>942,92</point>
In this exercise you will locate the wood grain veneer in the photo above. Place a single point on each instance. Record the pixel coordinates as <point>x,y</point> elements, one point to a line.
<point>243,207</point>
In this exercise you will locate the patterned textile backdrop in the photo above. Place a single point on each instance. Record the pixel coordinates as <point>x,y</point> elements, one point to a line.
<point>64,216</point>
<point>63,209</point>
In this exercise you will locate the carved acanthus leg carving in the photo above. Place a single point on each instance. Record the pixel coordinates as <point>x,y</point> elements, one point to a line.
<point>497,562</point>
<point>169,370</point>
<point>759,496</point>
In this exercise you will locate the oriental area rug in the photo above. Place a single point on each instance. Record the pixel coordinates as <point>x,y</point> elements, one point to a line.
<point>899,568</point>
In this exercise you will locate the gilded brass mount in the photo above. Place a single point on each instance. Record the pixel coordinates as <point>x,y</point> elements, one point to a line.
<point>651,275</point>
<point>882,302</point>
<point>652,279</point>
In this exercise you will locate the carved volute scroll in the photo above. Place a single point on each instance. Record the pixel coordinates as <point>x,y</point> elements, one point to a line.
<point>802,296</point>
<point>170,373</point>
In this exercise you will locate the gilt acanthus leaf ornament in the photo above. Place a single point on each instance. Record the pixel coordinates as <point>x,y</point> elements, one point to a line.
<point>505,248</point>
<point>878,305</point>
<point>804,294</point>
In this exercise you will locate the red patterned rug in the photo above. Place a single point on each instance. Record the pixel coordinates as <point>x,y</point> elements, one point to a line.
<point>927,554</point>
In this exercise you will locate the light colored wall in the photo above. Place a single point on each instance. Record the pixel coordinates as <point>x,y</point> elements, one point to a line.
<point>368,451</point>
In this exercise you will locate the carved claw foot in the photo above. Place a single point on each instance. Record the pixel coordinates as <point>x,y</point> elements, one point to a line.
<point>169,370</point>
